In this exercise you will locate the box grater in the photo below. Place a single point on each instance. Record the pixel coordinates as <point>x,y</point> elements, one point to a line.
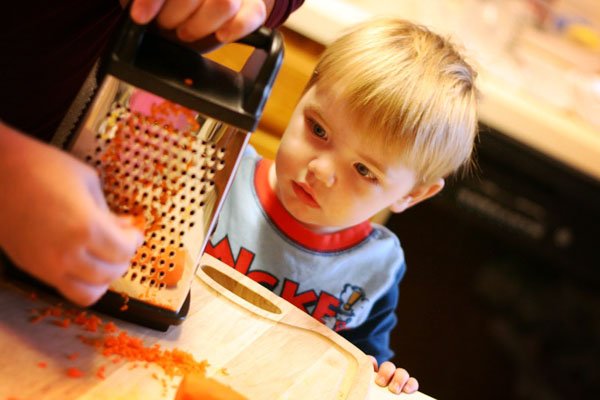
<point>165,131</point>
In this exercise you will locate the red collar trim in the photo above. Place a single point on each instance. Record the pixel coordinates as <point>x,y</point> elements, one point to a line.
<point>287,224</point>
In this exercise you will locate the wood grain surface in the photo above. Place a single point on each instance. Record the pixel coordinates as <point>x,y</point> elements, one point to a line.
<point>254,341</point>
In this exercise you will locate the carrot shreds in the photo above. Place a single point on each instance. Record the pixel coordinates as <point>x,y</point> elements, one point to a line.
<point>119,346</point>
<point>91,324</point>
<point>63,323</point>
<point>56,311</point>
<point>100,372</point>
<point>42,364</point>
<point>124,307</point>
<point>74,372</point>
<point>110,327</point>
<point>36,318</point>
<point>80,318</point>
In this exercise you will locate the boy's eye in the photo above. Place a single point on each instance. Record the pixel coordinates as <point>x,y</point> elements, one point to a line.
<point>364,171</point>
<point>317,129</point>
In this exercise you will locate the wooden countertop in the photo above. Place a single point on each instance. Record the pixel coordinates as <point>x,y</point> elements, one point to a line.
<point>252,340</point>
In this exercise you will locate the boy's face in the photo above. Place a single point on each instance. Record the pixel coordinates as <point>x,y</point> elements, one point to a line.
<point>328,174</point>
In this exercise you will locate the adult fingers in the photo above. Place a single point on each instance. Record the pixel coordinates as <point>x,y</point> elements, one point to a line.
<point>113,239</point>
<point>208,18</point>
<point>143,11</point>
<point>175,12</point>
<point>81,293</point>
<point>94,271</point>
<point>251,16</point>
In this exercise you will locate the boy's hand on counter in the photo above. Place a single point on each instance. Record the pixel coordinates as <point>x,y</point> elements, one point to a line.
<point>54,221</point>
<point>195,19</point>
<point>397,380</point>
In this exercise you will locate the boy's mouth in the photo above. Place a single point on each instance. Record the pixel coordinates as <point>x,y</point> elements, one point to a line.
<point>304,193</point>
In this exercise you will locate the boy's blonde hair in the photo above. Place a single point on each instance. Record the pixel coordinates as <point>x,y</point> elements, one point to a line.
<point>408,89</point>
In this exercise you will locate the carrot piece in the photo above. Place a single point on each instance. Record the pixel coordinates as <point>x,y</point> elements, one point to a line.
<point>110,327</point>
<point>139,221</point>
<point>42,364</point>
<point>100,373</point>
<point>197,386</point>
<point>63,323</point>
<point>74,372</point>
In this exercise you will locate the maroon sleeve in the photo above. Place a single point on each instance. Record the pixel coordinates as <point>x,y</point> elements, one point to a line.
<point>281,11</point>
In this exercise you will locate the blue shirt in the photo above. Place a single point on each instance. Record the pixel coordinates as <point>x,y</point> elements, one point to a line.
<point>348,279</point>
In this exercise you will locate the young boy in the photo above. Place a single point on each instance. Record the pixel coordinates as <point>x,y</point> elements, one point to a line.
<point>388,113</point>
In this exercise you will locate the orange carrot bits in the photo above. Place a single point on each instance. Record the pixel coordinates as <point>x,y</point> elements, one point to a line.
<point>42,364</point>
<point>100,373</point>
<point>92,323</point>
<point>63,323</point>
<point>81,318</point>
<point>198,386</point>
<point>110,327</point>
<point>74,372</point>
<point>36,318</point>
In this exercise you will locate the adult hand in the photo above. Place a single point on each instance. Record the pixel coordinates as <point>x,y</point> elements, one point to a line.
<point>54,222</point>
<point>194,19</point>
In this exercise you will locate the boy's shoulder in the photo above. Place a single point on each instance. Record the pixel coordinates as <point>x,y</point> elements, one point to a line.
<point>382,246</point>
<point>381,232</point>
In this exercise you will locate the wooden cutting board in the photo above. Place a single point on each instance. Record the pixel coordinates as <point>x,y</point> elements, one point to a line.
<point>254,341</point>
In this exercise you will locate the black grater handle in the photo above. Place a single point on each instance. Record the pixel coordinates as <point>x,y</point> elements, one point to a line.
<point>258,67</point>
<point>159,63</point>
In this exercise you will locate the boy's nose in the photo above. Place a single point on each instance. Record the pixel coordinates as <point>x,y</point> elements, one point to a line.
<point>322,169</point>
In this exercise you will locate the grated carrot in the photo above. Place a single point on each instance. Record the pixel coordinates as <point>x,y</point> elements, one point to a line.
<point>119,346</point>
<point>110,327</point>
<point>74,372</point>
<point>63,323</point>
<point>100,372</point>
<point>42,364</point>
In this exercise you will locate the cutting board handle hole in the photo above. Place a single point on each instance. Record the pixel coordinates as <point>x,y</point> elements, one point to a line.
<point>240,290</point>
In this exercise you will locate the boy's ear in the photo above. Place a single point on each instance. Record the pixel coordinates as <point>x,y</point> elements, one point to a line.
<point>417,195</point>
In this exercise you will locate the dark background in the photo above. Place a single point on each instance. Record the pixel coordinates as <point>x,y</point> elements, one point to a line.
<point>501,299</point>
